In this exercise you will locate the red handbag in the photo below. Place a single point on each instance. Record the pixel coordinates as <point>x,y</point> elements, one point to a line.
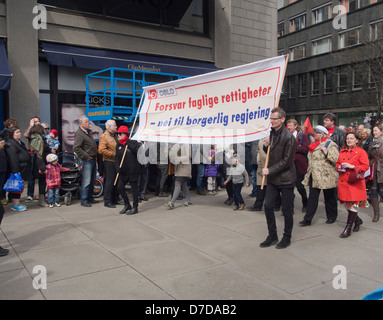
<point>355,176</point>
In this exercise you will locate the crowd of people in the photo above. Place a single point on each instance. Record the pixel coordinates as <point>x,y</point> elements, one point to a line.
<point>288,158</point>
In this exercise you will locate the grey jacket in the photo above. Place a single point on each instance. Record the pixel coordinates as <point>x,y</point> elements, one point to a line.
<point>238,174</point>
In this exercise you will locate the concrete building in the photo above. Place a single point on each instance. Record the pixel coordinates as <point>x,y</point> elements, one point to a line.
<point>323,43</point>
<point>52,45</point>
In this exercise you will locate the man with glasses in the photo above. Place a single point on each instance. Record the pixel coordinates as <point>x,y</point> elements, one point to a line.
<point>281,177</point>
<point>107,148</point>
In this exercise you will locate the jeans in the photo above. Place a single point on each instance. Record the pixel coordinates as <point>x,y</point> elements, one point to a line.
<point>237,194</point>
<point>200,175</point>
<point>89,171</point>
<point>53,195</point>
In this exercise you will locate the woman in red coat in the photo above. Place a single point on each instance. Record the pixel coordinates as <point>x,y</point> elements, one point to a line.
<point>352,195</point>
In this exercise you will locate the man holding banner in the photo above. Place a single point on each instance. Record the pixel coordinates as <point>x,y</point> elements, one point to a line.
<point>281,177</point>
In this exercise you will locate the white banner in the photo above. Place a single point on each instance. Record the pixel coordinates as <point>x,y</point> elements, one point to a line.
<point>222,107</point>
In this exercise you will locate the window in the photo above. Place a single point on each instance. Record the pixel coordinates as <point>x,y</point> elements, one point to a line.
<point>281,29</point>
<point>298,23</point>
<point>321,46</point>
<point>292,87</point>
<point>327,81</point>
<point>322,14</point>
<point>342,80</point>
<point>349,38</point>
<point>303,85</point>
<point>357,78</point>
<point>376,30</point>
<point>315,83</point>
<point>350,5</point>
<point>298,52</point>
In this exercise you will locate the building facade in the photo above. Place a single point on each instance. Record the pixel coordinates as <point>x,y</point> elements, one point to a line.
<point>52,45</point>
<point>324,40</point>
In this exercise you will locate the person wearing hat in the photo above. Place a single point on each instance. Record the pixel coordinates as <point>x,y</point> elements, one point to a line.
<point>53,141</point>
<point>322,175</point>
<point>128,168</point>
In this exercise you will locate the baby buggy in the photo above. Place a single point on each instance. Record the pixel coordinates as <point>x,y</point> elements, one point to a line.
<point>71,180</point>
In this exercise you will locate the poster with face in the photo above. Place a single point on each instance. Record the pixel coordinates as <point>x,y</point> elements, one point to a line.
<point>70,122</point>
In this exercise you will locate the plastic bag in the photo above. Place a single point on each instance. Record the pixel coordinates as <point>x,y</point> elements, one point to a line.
<point>14,183</point>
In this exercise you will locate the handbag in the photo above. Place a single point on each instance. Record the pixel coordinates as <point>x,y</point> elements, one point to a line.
<point>355,176</point>
<point>15,183</point>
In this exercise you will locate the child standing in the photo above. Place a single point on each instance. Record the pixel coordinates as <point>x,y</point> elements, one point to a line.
<point>237,173</point>
<point>211,172</point>
<point>53,179</point>
<point>53,141</point>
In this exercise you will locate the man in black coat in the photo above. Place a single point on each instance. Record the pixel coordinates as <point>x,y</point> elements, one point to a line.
<point>281,177</point>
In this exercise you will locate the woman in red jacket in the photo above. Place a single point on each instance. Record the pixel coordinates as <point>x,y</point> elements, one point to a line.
<point>352,195</point>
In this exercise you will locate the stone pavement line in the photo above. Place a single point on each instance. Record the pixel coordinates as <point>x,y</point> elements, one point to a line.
<point>206,251</point>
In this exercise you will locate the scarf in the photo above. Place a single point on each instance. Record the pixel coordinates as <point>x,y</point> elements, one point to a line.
<point>315,144</point>
<point>123,140</point>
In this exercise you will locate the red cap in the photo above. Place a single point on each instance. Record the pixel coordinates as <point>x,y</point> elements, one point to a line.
<point>123,129</point>
<point>54,131</point>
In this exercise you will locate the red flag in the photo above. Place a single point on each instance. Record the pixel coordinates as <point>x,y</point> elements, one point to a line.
<point>308,126</point>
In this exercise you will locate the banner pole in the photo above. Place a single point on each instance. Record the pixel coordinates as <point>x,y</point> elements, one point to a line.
<point>130,135</point>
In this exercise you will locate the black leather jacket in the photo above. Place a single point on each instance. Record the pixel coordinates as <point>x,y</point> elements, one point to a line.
<point>282,153</point>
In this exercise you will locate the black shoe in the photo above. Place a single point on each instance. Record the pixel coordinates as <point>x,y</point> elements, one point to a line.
<point>143,198</point>
<point>93,201</point>
<point>126,208</point>
<point>270,240</point>
<point>133,211</point>
<point>284,243</point>
<point>330,221</point>
<point>109,205</point>
<point>254,208</point>
<point>304,209</point>
<point>118,202</point>
<point>304,223</point>
<point>3,252</point>
<point>86,204</point>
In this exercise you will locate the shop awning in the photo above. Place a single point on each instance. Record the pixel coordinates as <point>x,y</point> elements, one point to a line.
<point>5,73</point>
<point>69,56</point>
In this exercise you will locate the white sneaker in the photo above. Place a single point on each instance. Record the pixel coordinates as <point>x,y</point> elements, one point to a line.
<point>169,205</point>
<point>57,204</point>
<point>29,199</point>
<point>50,205</point>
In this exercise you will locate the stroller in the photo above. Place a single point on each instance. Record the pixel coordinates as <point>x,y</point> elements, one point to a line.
<point>71,180</point>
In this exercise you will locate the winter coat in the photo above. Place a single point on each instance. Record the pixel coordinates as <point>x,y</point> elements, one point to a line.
<point>84,145</point>
<point>322,167</point>
<point>211,169</point>
<point>53,175</point>
<point>303,143</point>
<point>281,161</point>
<point>355,191</point>
<point>130,168</point>
<point>19,159</point>
<point>238,174</point>
<point>107,146</point>
<point>373,154</point>
<point>180,156</point>
<point>338,136</point>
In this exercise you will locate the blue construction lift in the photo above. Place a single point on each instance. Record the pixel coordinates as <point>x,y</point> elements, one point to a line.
<point>115,93</point>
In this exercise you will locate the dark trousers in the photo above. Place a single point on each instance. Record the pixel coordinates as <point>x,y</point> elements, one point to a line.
<point>237,194</point>
<point>122,181</point>
<point>110,191</point>
<point>330,200</point>
<point>273,194</point>
<point>300,187</point>
<point>1,213</point>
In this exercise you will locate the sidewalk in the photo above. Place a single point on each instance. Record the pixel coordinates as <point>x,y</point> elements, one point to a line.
<point>203,252</point>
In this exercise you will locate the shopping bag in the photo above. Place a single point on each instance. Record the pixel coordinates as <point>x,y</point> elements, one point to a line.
<point>14,183</point>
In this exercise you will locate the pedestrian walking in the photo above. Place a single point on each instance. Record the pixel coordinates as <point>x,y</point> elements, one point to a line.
<point>281,177</point>
<point>352,194</point>
<point>211,172</point>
